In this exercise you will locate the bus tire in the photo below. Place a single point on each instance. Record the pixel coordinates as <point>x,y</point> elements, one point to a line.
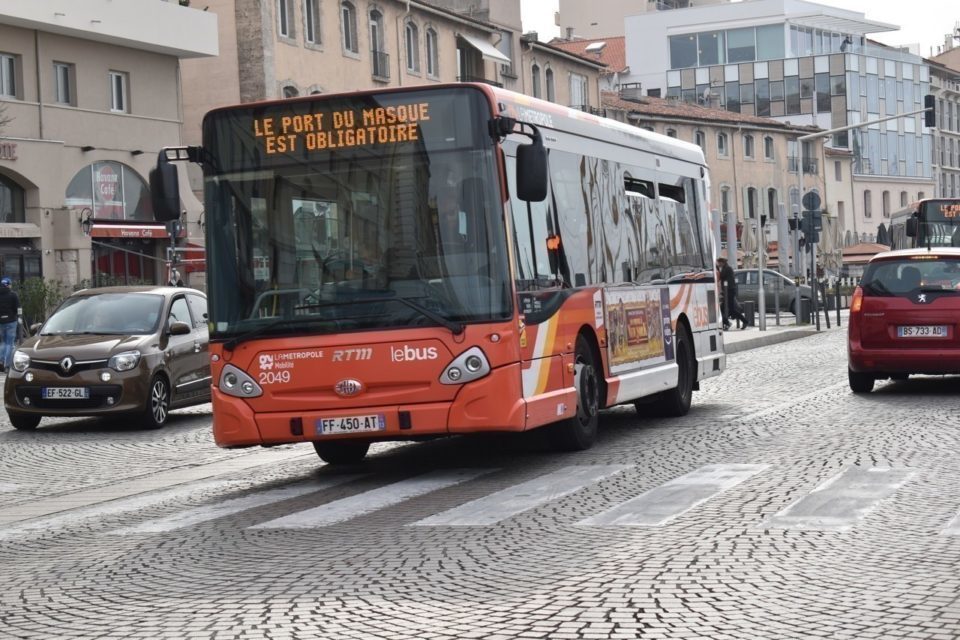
<point>675,402</point>
<point>335,452</point>
<point>860,382</point>
<point>580,431</point>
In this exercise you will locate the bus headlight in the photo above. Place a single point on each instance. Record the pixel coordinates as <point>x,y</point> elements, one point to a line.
<point>468,366</point>
<point>236,382</point>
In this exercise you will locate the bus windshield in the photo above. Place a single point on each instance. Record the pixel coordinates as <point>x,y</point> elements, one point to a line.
<point>939,223</point>
<point>354,213</point>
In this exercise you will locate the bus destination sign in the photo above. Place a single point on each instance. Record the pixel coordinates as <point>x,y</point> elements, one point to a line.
<point>950,210</point>
<point>343,128</point>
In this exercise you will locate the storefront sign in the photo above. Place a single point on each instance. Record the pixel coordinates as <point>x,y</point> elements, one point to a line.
<point>106,185</point>
<point>8,150</point>
<point>127,231</point>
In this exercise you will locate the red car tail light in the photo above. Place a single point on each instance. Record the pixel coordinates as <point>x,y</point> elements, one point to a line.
<point>857,301</point>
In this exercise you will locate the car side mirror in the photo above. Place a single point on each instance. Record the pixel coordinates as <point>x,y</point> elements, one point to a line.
<point>178,328</point>
<point>35,327</point>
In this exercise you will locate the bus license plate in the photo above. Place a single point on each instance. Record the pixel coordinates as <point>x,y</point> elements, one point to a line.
<point>351,424</point>
<point>65,393</point>
<point>927,331</point>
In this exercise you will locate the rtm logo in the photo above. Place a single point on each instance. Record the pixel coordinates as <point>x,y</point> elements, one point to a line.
<point>351,355</point>
<point>406,353</point>
<point>266,362</point>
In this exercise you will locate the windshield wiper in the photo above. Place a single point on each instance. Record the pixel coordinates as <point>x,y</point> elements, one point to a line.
<point>232,343</point>
<point>455,328</point>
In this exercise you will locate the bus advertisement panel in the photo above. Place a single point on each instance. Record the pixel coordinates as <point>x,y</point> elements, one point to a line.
<point>374,273</point>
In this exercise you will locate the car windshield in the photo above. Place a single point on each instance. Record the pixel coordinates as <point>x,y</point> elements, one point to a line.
<point>106,313</point>
<point>925,272</point>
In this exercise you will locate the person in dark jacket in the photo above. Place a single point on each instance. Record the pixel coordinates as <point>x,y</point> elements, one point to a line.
<point>729,305</point>
<point>9,316</point>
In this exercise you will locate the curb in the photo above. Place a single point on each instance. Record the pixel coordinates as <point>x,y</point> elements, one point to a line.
<point>768,339</point>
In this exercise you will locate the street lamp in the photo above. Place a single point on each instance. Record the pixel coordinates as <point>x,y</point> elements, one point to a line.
<point>86,220</point>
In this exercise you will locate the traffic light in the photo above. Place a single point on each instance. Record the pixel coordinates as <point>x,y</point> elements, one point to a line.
<point>930,115</point>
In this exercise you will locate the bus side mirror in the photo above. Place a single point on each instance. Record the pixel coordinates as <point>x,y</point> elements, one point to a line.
<point>911,227</point>
<point>165,190</point>
<point>532,171</point>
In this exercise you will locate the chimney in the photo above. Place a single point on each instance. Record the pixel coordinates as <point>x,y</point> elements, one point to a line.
<point>569,33</point>
<point>948,42</point>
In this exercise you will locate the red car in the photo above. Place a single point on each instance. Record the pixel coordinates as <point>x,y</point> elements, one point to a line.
<point>904,317</point>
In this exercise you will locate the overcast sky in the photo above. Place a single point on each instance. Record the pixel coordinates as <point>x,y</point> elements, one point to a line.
<point>922,22</point>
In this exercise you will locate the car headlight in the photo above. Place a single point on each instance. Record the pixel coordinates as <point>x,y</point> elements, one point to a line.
<point>124,361</point>
<point>21,361</point>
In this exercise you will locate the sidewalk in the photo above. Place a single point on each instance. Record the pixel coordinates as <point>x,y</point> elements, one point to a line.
<point>736,340</point>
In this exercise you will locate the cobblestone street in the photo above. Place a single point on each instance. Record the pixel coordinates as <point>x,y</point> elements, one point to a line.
<point>782,506</point>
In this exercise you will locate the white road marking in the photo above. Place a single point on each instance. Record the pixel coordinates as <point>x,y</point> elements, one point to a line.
<point>522,497</point>
<point>674,498</point>
<point>9,487</point>
<point>228,507</point>
<point>841,501</point>
<point>373,500</point>
<point>952,529</point>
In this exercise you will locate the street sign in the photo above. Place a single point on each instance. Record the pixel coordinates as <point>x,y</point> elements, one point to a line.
<point>811,200</point>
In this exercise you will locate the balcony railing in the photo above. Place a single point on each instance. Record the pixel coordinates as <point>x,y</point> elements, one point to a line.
<point>381,64</point>
<point>479,79</point>
<point>809,165</point>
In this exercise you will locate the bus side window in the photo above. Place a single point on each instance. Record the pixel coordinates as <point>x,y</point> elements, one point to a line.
<point>532,226</point>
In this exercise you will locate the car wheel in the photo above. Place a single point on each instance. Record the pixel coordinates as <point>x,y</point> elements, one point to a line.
<point>676,402</point>
<point>157,411</point>
<point>860,382</point>
<point>580,431</point>
<point>342,451</point>
<point>23,421</point>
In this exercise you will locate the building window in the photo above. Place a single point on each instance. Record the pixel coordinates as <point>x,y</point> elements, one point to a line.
<point>751,202</point>
<point>837,171</point>
<point>867,205</point>
<point>772,204</point>
<point>725,199</point>
<point>119,82</point>
<point>840,210</point>
<point>768,148</point>
<point>700,139</point>
<point>284,21</point>
<point>413,47</point>
<point>381,61</point>
<point>311,21</point>
<point>551,88</point>
<point>886,204</point>
<point>8,75</point>
<point>722,149</point>
<point>432,55</point>
<point>671,133</point>
<point>903,199</point>
<point>505,46</point>
<point>748,146</point>
<point>11,201</point>
<point>535,73</point>
<point>348,26</point>
<point>112,191</point>
<point>578,91</point>
<point>63,75</point>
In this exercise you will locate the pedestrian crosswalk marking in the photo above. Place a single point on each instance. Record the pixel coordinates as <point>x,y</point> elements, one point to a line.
<point>229,507</point>
<point>841,501</point>
<point>522,497</point>
<point>953,528</point>
<point>674,498</point>
<point>373,500</point>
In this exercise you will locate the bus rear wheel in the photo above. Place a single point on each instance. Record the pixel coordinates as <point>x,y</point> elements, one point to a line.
<point>580,431</point>
<point>342,451</point>
<point>675,402</point>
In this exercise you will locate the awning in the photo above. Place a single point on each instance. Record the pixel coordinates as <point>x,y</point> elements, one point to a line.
<point>486,49</point>
<point>850,22</point>
<point>128,231</point>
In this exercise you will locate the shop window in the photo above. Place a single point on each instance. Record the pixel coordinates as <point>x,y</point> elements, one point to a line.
<point>11,201</point>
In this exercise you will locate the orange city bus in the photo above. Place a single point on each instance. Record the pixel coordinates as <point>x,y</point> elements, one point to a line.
<point>926,223</point>
<point>426,261</point>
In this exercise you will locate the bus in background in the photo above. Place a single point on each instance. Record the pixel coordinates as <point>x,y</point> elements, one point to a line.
<point>926,223</point>
<point>440,260</point>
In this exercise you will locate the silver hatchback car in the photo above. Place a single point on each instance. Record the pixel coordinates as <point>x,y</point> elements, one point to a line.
<point>774,284</point>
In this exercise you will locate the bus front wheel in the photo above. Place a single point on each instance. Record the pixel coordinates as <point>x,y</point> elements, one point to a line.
<point>580,431</point>
<point>342,451</point>
<point>676,402</point>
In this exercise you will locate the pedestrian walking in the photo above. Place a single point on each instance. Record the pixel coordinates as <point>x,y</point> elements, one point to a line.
<point>10,312</point>
<point>729,304</point>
